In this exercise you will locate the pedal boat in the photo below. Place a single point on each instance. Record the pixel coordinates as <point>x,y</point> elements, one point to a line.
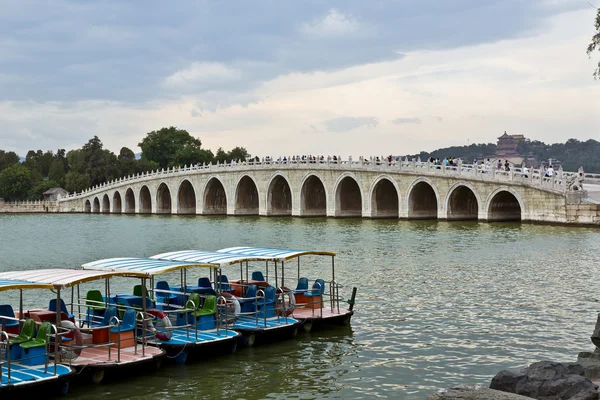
<point>319,304</point>
<point>38,369</point>
<point>188,330</point>
<point>257,307</point>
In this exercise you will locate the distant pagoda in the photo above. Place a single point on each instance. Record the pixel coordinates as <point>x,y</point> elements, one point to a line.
<point>507,145</point>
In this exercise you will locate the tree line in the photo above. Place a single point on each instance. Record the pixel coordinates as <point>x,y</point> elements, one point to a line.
<point>572,154</point>
<point>92,164</point>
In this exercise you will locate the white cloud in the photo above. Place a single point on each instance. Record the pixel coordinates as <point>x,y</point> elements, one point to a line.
<point>203,73</point>
<point>334,23</point>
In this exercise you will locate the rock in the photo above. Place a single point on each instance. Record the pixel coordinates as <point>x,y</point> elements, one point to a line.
<point>590,362</point>
<point>506,381</point>
<point>547,380</point>
<point>596,335</point>
<point>475,393</point>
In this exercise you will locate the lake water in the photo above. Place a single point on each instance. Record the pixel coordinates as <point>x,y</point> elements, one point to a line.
<point>439,304</point>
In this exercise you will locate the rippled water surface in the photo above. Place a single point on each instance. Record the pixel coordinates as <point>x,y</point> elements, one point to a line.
<point>439,304</point>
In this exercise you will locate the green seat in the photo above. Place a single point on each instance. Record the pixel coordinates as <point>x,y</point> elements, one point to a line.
<point>137,291</point>
<point>26,332</point>
<point>195,298</point>
<point>40,339</point>
<point>209,307</point>
<point>94,300</point>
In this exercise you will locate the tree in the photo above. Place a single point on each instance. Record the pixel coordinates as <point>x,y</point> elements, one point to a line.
<point>99,164</point>
<point>15,182</point>
<point>595,43</point>
<point>8,159</point>
<point>76,161</point>
<point>171,146</point>
<point>126,162</point>
<point>238,153</point>
<point>76,181</point>
<point>57,172</point>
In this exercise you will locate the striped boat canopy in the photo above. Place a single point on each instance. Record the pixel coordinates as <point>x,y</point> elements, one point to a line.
<point>8,284</point>
<point>142,266</point>
<point>275,254</point>
<point>56,278</point>
<point>212,257</point>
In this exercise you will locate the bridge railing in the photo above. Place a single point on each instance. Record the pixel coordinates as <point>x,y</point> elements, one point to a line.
<point>532,177</point>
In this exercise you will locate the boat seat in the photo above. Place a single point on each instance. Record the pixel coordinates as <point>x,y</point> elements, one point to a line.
<point>63,308</point>
<point>302,286</point>
<point>40,339</point>
<point>6,310</point>
<point>318,288</point>
<point>224,284</point>
<point>96,307</point>
<point>168,298</point>
<point>110,312</point>
<point>258,276</point>
<point>208,308</point>
<point>128,322</point>
<point>26,333</point>
<point>204,282</point>
<point>267,305</point>
<point>248,302</point>
<point>137,291</point>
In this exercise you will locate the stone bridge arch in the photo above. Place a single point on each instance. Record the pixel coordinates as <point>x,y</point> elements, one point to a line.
<point>117,203</point>
<point>463,202</point>
<point>422,199</point>
<point>186,197</point>
<point>105,204</point>
<point>504,204</point>
<point>145,199</point>
<point>164,204</point>
<point>279,195</point>
<point>129,201</point>
<point>348,196</point>
<point>215,197</point>
<point>313,196</point>
<point>96,205</point>
<point>247,196</point>
<point>87,208</point>
<point>385,197</point>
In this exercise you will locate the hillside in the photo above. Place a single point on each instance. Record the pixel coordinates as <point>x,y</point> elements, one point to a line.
<point>573,153</point>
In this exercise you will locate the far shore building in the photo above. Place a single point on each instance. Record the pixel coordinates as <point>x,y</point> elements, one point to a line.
<point>506,149</point>
<point>52,194</point>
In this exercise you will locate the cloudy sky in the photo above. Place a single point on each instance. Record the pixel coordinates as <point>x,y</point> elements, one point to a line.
<point>296,77</point>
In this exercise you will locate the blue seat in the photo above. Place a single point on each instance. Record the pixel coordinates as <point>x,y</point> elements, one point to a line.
<point>258,276</point>
<point>224,284</point>
<point>110,312</point>
<point>302,286</point>
<point>204,282</point>
<point>128,323</point>
<point>167,298</point>
<point>266,306</point>
<point>318,288</point>
<point>248,302</point>
<point>63,307</point>
<point>6,310</point>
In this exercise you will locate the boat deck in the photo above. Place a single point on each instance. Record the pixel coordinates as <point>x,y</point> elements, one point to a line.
<point>184,337</point>
<point>25,374</point>
<point>319,313</point>
<point>98,356</point>
<point>250,323</point>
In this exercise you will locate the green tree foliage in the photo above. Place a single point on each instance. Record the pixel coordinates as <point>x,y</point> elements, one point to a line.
<point>595,43</point>
<point>237,153</point>
<point>99,164</point>
<point>171,146</point>
<point>76,182</point>
<point>15,182</point>
<point>8,159</point>
<point>91,165</point>
<point>126,162</point>
<point>57,173</point>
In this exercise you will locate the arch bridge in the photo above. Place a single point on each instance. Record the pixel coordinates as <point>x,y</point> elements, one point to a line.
<point>363,188</point>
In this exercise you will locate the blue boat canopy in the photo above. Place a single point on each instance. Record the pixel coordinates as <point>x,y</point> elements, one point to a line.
<point>142,266</point>
<point>275,254</point>
<point>211,257</point>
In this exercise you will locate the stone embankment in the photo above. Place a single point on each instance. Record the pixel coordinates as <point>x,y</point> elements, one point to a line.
<point>28,206</point>
<point>544,380</point>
